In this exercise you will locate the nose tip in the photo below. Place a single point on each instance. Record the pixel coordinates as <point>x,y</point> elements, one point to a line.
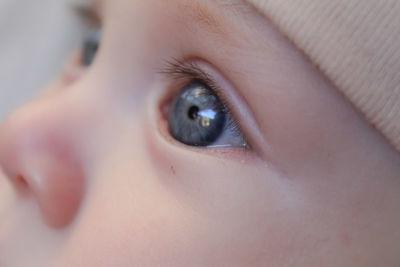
<point>40,157</point>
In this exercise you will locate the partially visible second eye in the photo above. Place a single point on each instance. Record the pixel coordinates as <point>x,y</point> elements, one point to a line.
<point>90,47</point>
<point>197,117</point>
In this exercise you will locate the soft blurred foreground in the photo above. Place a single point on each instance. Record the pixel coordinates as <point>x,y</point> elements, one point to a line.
<point>35,38</point>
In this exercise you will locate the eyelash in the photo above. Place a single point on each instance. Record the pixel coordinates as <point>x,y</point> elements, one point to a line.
<point>190,71</point>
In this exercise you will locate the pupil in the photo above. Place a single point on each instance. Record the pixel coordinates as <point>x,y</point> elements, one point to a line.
<point>193,112</point>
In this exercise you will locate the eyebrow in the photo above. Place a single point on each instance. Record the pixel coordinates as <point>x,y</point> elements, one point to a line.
<point>205,12</point>
<point>202,11</point>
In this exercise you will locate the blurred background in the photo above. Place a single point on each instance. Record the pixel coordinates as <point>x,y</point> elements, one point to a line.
<point>35,38</point>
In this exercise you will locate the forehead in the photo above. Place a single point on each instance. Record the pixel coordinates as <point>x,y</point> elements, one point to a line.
<point>206,11</point>
<point>222,3</point>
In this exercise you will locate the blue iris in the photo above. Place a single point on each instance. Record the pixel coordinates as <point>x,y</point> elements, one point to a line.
<point>197,116</point>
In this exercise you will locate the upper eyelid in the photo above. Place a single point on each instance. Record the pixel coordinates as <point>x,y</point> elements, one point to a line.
<point>191,70</point>
<point>188,70</point>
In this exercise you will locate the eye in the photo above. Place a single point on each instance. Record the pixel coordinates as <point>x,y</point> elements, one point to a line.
<point>197,117</point>
<point>90,47</point>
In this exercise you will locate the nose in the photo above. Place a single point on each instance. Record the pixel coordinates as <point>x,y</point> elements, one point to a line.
<point>39,153</point>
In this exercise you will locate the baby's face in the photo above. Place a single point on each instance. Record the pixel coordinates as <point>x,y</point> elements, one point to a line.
<point>199,136</point>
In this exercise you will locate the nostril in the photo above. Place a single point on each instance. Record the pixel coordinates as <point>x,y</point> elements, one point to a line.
<point>20,180</point>
<point>21,184</point>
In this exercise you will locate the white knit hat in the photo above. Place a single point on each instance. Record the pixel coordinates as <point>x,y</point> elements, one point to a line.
<point>356,44</point>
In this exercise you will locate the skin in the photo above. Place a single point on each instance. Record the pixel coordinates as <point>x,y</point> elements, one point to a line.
<point>93,178</point>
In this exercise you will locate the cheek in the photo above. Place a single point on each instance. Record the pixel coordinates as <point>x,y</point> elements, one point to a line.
<point>235,200</point>
<point>261,214</point>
